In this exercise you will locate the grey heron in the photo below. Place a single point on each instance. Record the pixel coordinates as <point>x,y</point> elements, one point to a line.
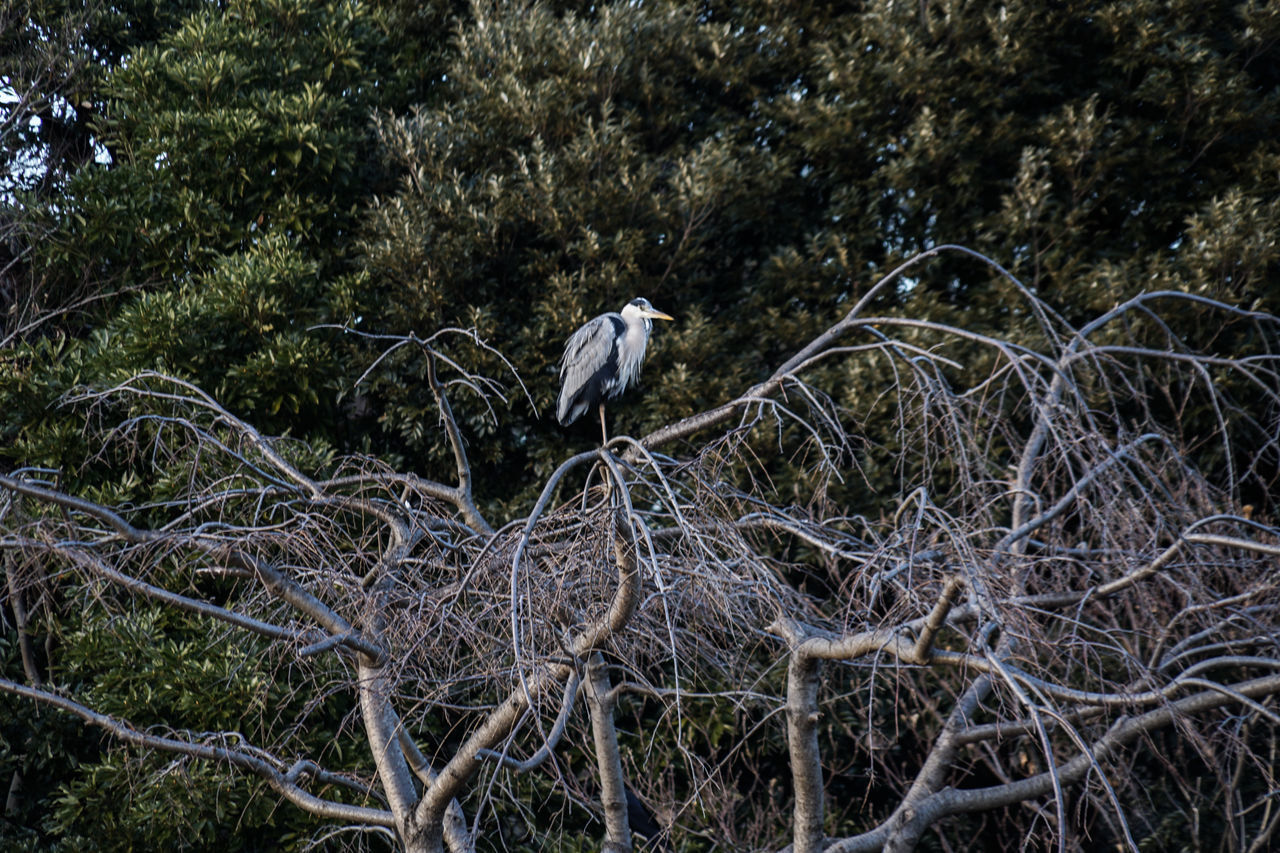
<point>602,358</point>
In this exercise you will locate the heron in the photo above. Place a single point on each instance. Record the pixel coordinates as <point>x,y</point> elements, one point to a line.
<point>602,358</point>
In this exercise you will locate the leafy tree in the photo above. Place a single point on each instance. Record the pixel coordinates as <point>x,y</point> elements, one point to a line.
<point>217,191</point>
<point>220,156</point>
<point>753,167</point>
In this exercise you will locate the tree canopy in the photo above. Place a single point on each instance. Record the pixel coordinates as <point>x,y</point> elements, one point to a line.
<point>329,215</point>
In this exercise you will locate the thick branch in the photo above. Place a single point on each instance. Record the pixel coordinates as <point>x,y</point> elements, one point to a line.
<point>552,739</point>
<point>381,728</point>
<point>115,521</point>
<point>613,794</point>
<point>283,588</point>
<point>201,608</point>
<point>21,621</point>
<point>456,834</point>
<point>803,681</point>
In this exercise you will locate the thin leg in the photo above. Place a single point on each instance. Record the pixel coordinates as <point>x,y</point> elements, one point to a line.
<point>604,473</point>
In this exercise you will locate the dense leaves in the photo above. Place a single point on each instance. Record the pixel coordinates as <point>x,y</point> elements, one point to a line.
<point>210,189</point>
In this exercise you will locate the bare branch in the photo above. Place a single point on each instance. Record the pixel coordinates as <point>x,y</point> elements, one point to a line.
<point>957,800</point>
<point>268,771</point>
<point>993,563</point>
<point>613,795</point>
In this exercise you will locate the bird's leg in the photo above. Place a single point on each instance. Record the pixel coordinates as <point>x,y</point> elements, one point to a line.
<point>604,440</point>
<point>604,474</point>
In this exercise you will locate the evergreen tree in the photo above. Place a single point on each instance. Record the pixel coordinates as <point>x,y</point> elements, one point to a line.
<point>191,185</point>
<point>225,178</point>
<point>752,168</point>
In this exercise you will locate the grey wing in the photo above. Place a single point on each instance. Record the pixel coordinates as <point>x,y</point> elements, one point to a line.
<point>587,351</point>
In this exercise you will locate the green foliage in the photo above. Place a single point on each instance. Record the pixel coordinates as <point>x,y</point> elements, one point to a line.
<point>176,811</point>
<point>241,319</point>
<point>242,120</point>
<point>231,147</point>
<point>155,667</point>
<point>574,163</point>
<point>753,171</point>
<point>158,668</point>
<point>266,166</point>
<point>237,150</point>
<point>750,169</point>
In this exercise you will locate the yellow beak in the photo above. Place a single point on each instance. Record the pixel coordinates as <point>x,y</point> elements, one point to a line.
<point>657,315</point>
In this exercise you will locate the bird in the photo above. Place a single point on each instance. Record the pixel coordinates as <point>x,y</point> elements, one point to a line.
<point>602,358</point>
<point>642,821</point>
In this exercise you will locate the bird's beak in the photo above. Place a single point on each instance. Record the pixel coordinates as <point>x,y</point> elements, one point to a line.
<point>657,315</point>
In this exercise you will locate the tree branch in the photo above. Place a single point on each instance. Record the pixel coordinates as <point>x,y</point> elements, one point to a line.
<point>250,761</point>
<point>613,794</point>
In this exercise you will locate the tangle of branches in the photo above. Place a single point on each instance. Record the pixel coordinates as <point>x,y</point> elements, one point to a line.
<point>1065,578</point>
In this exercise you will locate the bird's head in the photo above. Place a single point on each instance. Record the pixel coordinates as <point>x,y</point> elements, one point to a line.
<point>640,307</point>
